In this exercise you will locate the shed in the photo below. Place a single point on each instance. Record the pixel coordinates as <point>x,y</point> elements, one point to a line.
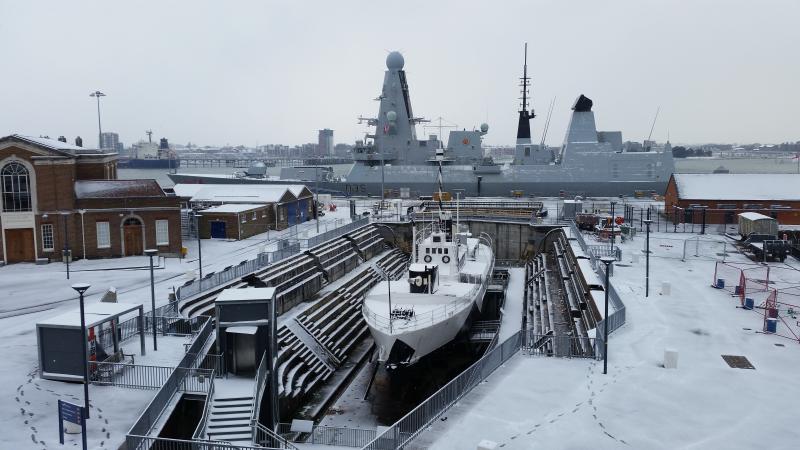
<point>59,338</point>
<point>235,220</point>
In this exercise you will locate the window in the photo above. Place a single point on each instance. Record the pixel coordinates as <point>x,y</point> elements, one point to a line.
<point>527,151</point>
<point>162,232</point>
<point>427,250</point>
<point>255,215</point>
<point>445,251</point>
<point>103,235</point>
<point>16,187</point>
<point>47,237</point>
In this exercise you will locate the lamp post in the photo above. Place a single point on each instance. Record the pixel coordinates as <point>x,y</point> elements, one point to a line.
<point>647,222</point>
<point>607,260</point>
<point>98,94</point>
<point>613,222</point>
<point>199,247</point>
<point>153,252</point>
<point>66,252</point>
<point>80,288</point>
<point>316,196</point>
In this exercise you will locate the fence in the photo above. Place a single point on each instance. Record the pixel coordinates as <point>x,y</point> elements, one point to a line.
<point>313,241</point>
<point>285,249</point>
<point>398,435</point>
<point>129,375</point>
<point>561,346</point>
<point>148,442</point>
<point>322,435</point>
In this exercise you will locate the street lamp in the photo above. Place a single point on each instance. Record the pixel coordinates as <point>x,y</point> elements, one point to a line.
<point>607,260</point>
<point>98,94</point>
<point>66,253</point>
<point>80,288</point>
<point>647,222</point>
<point>153,252</point>
<point>199,247</point>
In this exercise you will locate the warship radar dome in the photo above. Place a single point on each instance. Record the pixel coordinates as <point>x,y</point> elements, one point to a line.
<point>395,61</point>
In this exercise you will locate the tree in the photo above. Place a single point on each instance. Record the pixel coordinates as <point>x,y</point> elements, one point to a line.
<point>679,152</point>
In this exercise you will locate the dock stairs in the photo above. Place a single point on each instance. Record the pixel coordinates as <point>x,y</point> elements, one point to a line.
<point>229,420</point>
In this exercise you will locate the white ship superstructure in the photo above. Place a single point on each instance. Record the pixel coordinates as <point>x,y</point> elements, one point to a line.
<point>446,281</point>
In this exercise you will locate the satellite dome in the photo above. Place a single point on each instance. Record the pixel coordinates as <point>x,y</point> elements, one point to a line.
<point>259,164</point>
<point>395,61</point>
<point>484,127</point>
<point>391,115</point>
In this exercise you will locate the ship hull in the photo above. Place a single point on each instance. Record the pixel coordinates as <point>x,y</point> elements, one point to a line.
<point>150,164</point>
<point>487,186</point>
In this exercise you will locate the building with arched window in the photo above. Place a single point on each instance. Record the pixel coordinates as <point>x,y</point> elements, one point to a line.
<point>55,196</point>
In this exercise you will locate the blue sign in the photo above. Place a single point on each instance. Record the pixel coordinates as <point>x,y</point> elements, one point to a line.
<point>74,414</point>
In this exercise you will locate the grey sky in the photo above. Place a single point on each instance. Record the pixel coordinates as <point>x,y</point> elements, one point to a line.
<point>276,71</point>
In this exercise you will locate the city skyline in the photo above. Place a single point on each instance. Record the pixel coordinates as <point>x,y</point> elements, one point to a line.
<point>258,76</point>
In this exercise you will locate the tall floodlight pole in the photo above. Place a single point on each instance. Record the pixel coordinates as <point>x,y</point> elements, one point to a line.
<point>153,252</point>
<point>647,222</point>
<point>80,288</point>
<point>607,260</point>
<point>98,94</point>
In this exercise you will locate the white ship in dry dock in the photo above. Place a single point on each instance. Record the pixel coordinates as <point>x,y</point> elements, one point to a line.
<point>447,279</point>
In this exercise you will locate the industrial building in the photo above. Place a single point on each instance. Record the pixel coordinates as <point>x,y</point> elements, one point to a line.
<point>719,198</point>
<point>60,197</point>
<point>235,220</point>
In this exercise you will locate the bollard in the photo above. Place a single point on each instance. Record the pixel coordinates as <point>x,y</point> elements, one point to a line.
<point>670,359</point>
<point>487,445</point>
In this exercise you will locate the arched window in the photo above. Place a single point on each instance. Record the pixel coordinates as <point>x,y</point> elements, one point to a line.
<point>16,187</point>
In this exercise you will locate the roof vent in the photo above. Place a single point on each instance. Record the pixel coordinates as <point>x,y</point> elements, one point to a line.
<point>79,141</point>
<point>62,139</point>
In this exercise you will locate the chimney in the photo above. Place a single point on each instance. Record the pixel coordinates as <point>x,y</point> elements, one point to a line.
<point>79,141</point>
<point>62,139</point>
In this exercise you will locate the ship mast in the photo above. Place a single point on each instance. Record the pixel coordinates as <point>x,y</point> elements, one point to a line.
<point>524,126</point>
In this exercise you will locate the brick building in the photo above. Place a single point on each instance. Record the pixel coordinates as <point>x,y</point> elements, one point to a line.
<point>235,221</point>
<point>54,195</point>
<point>721,197</point>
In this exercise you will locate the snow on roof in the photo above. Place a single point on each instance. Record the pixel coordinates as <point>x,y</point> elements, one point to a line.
<point>298,189</point>
<point>50,143</point>
<point>740,186</point>
<point>95,313</point>
<point>232,208</point>
<point>233,193</point>
<point>246,294</point>
<point>755,216</point>
<point>117,188</point>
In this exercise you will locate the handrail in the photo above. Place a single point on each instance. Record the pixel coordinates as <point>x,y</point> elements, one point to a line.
<point>258,392</point>
<point>200,431</point>
<point>262,433</point>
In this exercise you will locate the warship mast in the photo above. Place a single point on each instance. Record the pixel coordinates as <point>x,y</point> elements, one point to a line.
<point>524,126</point>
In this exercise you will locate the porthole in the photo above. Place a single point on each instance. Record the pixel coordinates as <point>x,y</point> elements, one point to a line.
<point>428,258</point>
<point>445,259</point>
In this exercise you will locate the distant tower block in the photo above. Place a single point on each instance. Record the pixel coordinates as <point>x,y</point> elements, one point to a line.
<point>325,142</point>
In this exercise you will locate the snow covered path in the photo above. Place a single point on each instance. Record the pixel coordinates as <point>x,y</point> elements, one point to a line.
<point>512,308</point>
<point>537,402</point>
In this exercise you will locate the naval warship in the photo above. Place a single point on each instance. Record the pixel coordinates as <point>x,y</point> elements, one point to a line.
<point>392,158</point>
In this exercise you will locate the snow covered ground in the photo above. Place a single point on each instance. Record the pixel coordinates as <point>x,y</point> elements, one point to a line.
<point>30,293</point>
<point>538,402</point>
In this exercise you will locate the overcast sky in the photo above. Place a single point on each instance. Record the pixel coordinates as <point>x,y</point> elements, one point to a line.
<point>238,72</point>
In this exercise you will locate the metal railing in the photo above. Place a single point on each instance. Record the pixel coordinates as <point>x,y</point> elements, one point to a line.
<point>561,346</point>
<point>326,435</point>
<point>200,431</point>
<point>181,379</point>
<point>213,362</point>
<point>129,375</point>
<point>258,392</point>
<point>336,232</point>
<point>268,438</point>
<point>151,442</point>
<point>400,434</point>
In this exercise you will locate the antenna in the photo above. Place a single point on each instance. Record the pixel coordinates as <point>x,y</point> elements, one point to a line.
<point>524,126</point>
<point>654,123</point>
<point>149,136</point>
<point>547,122</point>
<point>440,119</point>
